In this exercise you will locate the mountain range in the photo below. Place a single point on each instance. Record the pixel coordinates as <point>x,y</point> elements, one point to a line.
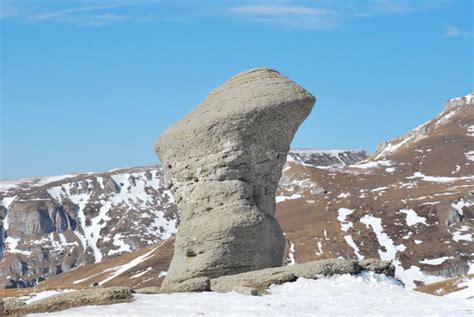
<point>411,202</point>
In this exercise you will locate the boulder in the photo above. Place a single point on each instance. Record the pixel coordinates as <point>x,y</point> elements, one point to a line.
<point>148,290</point>
<point>197,284</point>
<point>257,282</point>
<point>252,283</point>
<point>12,303</point>
<point>378,266</point>
<point>222,163</point>
<point>90,296</point>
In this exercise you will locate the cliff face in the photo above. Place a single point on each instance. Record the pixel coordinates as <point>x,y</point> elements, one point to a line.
<point>51,225</point>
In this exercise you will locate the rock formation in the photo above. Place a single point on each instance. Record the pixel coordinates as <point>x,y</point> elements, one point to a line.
<point>223,162</point>
<point>90,296</point>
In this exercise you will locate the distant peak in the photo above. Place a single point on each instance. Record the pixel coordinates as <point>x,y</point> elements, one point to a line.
<point>467,100</point>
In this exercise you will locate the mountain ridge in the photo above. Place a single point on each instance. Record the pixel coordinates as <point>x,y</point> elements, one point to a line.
<point>412,205</point>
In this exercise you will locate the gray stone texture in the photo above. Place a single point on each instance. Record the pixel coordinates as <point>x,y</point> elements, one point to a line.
<point>223,162</point>
<point>257,282</point>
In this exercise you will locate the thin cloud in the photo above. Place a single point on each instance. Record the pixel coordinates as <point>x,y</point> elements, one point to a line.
<point>454,31</point>
<point>8,11</point>
<point>299,17</point>
<point>278,10</point>
<point>54,15</point>
<point>405,7</point>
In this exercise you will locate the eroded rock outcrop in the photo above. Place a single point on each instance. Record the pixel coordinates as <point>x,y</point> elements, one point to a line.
<point>90,296</point>
<point>223,162</point>
<point>258,282</point>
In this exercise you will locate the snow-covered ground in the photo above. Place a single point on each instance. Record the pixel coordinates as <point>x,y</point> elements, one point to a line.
<point>365,295</point>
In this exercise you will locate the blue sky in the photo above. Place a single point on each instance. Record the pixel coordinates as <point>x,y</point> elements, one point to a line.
<point>89,85</point>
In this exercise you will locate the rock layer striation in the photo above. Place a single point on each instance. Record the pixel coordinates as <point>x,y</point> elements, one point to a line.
<point>223,162</point>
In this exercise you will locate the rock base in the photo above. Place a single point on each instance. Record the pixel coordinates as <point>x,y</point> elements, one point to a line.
<point>258,282</point>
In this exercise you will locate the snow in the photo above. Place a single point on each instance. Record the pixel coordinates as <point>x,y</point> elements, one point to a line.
<point>407,276</point>
<point>439,179</point>
<point>7,185</point>
<point>43,295</point>
<point>300,155</point>
<point>133,194</point>
<point>390,169</point>
<point>118,270</point>
<point>86,278</point>
<point>12,244</point>
<point>280,199</point>
<point>320,248</point>
<point>352,244</point>
<point>470,130</point>
<point>141,273</point>
<point>122,246</point>
<point>412,218</point>
<point>342,213</point>
<point>443,119</point>
<point>467,291</point>
<point>469,156</point>
<point>384,240</point>
<point>32,182</point>
<point>436,261</point>
<point>368,294</point>
<point>457,169</point>
<point>378,189</point>
<point>372,164</point>
<point>291,254</point>
<point>7,201</point>
<point>343,195</point>
<point>459,235</point>
<point>459,205</point>
<point>467,97</point>
<point>91,233</point>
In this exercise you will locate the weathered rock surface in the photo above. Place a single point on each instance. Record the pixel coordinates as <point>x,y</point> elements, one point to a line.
<point>223,162</point>
<point>91,296</point>
<point>148,290</point>
<point>197,284</point>
<point>11,303</point>
<point>378,266</point>
<point>257,282</point>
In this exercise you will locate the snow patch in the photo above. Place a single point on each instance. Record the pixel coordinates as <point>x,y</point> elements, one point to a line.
<point>412,218</point>
<point>280,199</point>
<point>384,240</point>
<point>469,156</point>
<point>12,246</point>
<point>372,164</point>
<point>342,213</point>
<point>352,244</point>
<point>42,295</point>
<point>459,235</point>
<point>436,261</point>
<point>118,270</point>
<point>291,254</point>
<point>439,179</point>
<point>367,294</point>
<point>470,130</point>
